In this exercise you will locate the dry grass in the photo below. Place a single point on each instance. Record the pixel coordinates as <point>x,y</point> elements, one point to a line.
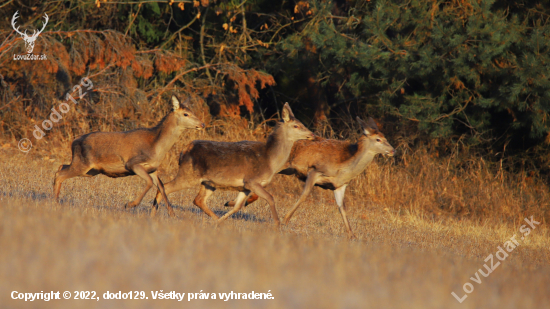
<point>424,228</point>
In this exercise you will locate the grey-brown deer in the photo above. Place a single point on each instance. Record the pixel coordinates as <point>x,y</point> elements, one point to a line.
<point>245,166</point>
<point>332,164</point>
<point>137,152</point>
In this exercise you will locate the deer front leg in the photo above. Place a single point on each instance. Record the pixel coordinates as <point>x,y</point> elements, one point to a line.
<point>141,172</point>
<point>182,181</point>
<point>161,190</point>
<point>339,196</point>
<point>261,192</point>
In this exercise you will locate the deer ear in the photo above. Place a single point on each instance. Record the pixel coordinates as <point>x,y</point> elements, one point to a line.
<point>368,127</point>
<point>287,113</point>
<point>175,103</point>
<point>185,104</point>
<point>372,124</point>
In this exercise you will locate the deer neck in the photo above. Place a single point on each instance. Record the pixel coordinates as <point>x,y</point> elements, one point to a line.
<point>167,133</point>
<point>363,157</point>
<point>278,148</point>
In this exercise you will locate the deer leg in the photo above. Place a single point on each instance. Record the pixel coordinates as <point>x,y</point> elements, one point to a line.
<point>339,196</point>
<point>182,180</point>
<point>202,197</point>
<point>251,199</point>
<point>141,172</point>
<point>160,187</point>
<point>239,202</point>
<point>168,188</point>
<point>310,182</point>
<point>77,168</point>
<point>261,192</point>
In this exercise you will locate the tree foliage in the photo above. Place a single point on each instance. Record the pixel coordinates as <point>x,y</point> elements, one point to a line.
<point>476,71</point>
<point>454,67</point>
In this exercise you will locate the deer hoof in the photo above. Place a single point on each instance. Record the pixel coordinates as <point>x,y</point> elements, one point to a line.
<point>130,205</point>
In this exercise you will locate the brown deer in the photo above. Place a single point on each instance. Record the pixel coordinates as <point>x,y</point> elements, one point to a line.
<point>136,152</point>
<point>332,164</point>
<point>244,166</point>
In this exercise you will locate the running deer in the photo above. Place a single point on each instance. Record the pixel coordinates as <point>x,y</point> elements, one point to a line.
<point>332,164</point>
<point>137,152</point>
<point>244,166</point>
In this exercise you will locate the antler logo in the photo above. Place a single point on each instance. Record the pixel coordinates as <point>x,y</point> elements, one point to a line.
<point>29,40</point>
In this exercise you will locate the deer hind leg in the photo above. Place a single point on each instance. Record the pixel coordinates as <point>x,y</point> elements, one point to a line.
<point>261,192</point>
<point>161,191</point>
<point>183,180</point>
<point>339,196</point>
<point>251,199</point>
<point>202,197</point>
<point>141,172</point>
<point>310,182</point>
<point>77,168</point>
<point>239,202</point>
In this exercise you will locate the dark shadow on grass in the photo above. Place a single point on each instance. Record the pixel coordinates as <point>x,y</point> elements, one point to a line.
<point>64,201</point>
<point>237,216</point>
<point>35,196</point>
<point>141,208</point>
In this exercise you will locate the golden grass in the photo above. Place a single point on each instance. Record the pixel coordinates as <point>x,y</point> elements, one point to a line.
<point>424,227</point>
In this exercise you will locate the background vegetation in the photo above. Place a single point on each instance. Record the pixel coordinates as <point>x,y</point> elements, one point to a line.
<point>461,86</point>
<point>473,73</point>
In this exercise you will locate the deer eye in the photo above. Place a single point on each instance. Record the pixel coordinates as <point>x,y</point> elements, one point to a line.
<point>378,140</point>
<point>296,126</point>
<point>186,114</point>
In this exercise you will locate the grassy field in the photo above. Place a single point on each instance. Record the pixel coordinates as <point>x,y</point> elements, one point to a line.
<point>424,227</point>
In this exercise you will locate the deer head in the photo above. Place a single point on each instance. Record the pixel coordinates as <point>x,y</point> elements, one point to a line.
<point>378,140</point>
<point>29,40</point>
<point>184,115</point>
<point>294,128</point>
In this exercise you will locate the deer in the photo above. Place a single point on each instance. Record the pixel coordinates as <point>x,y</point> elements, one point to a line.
<point>136,152</point>
<point>332,164</point>
<point>29,40</point>
<point>245,166</point>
